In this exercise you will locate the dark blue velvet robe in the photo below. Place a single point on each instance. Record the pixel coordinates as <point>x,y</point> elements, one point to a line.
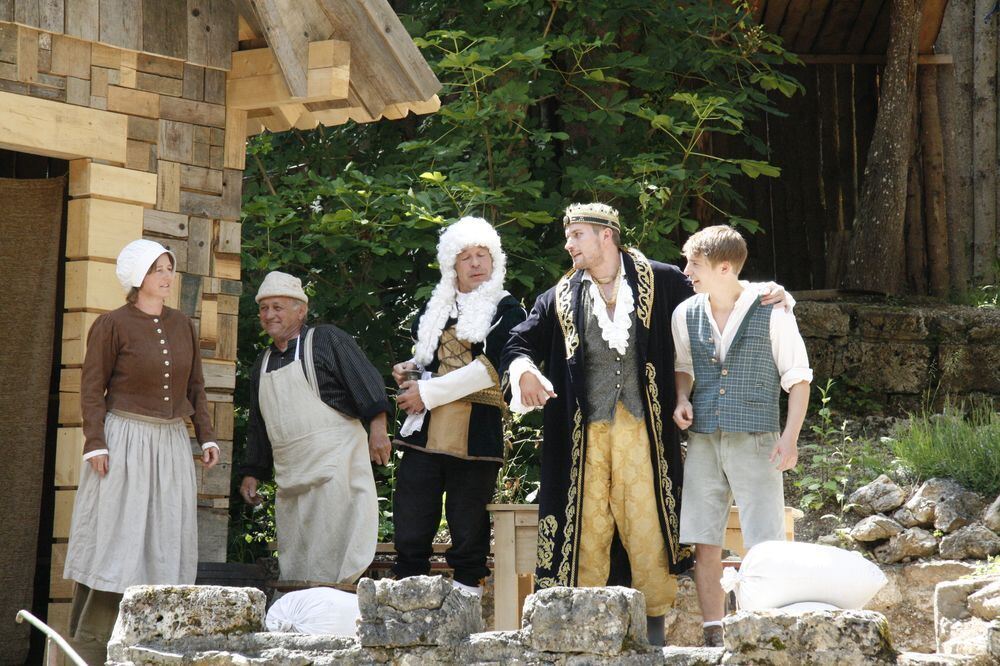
<point>551,337</point>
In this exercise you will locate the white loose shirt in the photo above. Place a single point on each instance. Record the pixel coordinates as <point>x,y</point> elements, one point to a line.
<point>787,347</point>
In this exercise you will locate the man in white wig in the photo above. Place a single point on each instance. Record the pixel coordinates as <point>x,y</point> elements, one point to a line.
<point>312,390</point>
<point>453,434</point>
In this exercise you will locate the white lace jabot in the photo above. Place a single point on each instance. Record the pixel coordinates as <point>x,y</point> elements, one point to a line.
<point>614,330</point>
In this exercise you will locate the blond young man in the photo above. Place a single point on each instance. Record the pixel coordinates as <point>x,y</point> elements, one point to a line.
<point>733,357</point>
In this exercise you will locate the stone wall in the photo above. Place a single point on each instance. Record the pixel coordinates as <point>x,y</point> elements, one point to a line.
<point>423,620</point>
<point>901,352</point>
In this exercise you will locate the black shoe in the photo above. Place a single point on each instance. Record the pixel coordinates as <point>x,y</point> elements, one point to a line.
<point>654,630</point>
<point>712,636</point>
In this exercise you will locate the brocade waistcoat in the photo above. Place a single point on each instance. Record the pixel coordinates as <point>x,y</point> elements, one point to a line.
<point>610,376</point>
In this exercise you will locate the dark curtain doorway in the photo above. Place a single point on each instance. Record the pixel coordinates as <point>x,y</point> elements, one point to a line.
<point>32,210</point>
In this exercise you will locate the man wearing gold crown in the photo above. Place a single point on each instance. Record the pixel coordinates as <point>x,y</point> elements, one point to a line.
<point>611,460</point>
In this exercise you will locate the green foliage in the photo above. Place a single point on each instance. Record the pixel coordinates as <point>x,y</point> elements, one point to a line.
<point>825,465</point>
<point>518,479</point>
<point>252,528</point>
<point>958,444</point>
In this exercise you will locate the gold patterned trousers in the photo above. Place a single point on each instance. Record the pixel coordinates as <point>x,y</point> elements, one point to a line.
<point>618,490</point>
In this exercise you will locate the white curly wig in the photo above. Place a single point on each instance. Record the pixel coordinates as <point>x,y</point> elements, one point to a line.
<point>478,307</point>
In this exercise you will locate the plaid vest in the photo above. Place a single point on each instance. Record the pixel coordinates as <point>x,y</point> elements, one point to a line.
<point>740,394</point>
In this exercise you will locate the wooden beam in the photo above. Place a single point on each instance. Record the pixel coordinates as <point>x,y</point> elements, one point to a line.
<point>89,179</point>
<point>96,228</point>
<point>386,66</point>
<point>92,285</point>
<point>863,26</point>
<point>256,82</point>
<point>930,24</point>
<point>289,27</point>
<point>76,325</point>
<point>53,129</point>
<point>869,59</point>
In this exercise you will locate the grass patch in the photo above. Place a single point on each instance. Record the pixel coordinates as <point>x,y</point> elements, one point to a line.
<point>960,444</point>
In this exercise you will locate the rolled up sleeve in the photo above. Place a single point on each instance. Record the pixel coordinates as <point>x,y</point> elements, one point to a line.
<point>789,349</point>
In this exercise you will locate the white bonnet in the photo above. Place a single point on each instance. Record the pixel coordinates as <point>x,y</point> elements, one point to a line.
<point>135,259</point>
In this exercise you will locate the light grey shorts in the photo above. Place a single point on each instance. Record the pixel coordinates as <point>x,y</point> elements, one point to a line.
<point>724,465</point>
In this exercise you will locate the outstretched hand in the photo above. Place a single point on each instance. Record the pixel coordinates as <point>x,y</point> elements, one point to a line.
<point>533,392</point>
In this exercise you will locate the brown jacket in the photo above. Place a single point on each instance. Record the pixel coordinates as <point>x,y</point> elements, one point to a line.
<point>145,365</point>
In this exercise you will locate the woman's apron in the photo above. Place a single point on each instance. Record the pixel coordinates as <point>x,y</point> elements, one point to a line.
<point>326,509</point>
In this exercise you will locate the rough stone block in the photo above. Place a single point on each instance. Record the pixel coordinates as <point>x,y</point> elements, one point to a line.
<point>421,610</point>
<point>880,496</point>
<point>974,541</point>
<point>909,594</point>
<point>818,637</point>
<point>985,603</point>
<point>155,613</point>
<point>903,366</point>
<point>957,629</point>
<point>595,620</point>
<point>875,528</point>
<point>991,516</point>
<point>933,659</point>
<point>966,368</point>
<point>907,545</point>
<point>881,323</point>
<point>822,320</point>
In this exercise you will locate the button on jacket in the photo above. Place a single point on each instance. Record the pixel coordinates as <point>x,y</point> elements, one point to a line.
<point>143,364</point>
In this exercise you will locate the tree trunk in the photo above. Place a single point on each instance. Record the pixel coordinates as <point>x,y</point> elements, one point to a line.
<point>916,237</point>
<point>875,255</point>
<point>984,143</point>
<point>935,215</point>
<point>955,99</point>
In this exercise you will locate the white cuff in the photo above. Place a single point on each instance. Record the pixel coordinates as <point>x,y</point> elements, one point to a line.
<point>794,376</point>
<point>209,445</point>
<point>518,367</point>
<point>95,453</point>
<point>455,385</point>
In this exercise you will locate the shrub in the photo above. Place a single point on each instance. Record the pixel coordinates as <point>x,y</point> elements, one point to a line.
<point>960,444</point>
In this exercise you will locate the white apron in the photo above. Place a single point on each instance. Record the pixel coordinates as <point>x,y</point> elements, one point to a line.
<point>326,507</point>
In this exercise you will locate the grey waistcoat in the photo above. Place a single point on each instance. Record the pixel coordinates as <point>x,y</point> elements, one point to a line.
<point>741,394</point>
<point>610,376</point>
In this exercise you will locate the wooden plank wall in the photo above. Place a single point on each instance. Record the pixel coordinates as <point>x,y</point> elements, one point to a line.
<point>201,32</point>
<point>168,178</point>
<point>821,145</point>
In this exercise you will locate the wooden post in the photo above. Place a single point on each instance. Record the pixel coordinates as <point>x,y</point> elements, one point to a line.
<point>932,151</point>
<point>875,258</point>
<point>984,143</point>
<point>955,99</point>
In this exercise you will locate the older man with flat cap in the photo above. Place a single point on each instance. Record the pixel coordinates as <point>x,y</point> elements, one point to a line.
<point>312,391</point>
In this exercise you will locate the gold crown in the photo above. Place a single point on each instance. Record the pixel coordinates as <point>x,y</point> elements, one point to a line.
<point>592,213</point>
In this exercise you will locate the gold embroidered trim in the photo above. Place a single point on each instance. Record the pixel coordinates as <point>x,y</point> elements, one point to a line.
<point>644,303</point>
<point>547,527</point>
<point>564,311</point>
<point>570,547</point>
<point>489,396</point>
<point>666,485</point>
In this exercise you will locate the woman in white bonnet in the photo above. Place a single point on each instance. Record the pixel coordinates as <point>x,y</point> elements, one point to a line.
<point>134,519</point>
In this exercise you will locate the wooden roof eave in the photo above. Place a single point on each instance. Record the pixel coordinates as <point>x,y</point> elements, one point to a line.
<point>379,74</point>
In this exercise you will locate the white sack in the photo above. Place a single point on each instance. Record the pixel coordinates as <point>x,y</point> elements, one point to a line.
<point>319,610</point>
<point>778,573</point>
<point>806,606</point>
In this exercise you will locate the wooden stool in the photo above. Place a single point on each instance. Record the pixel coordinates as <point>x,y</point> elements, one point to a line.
<point>734,536</point>
<point>515,537</point>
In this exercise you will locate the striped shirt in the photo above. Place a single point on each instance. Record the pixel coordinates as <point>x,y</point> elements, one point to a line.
<point>348,382</point>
